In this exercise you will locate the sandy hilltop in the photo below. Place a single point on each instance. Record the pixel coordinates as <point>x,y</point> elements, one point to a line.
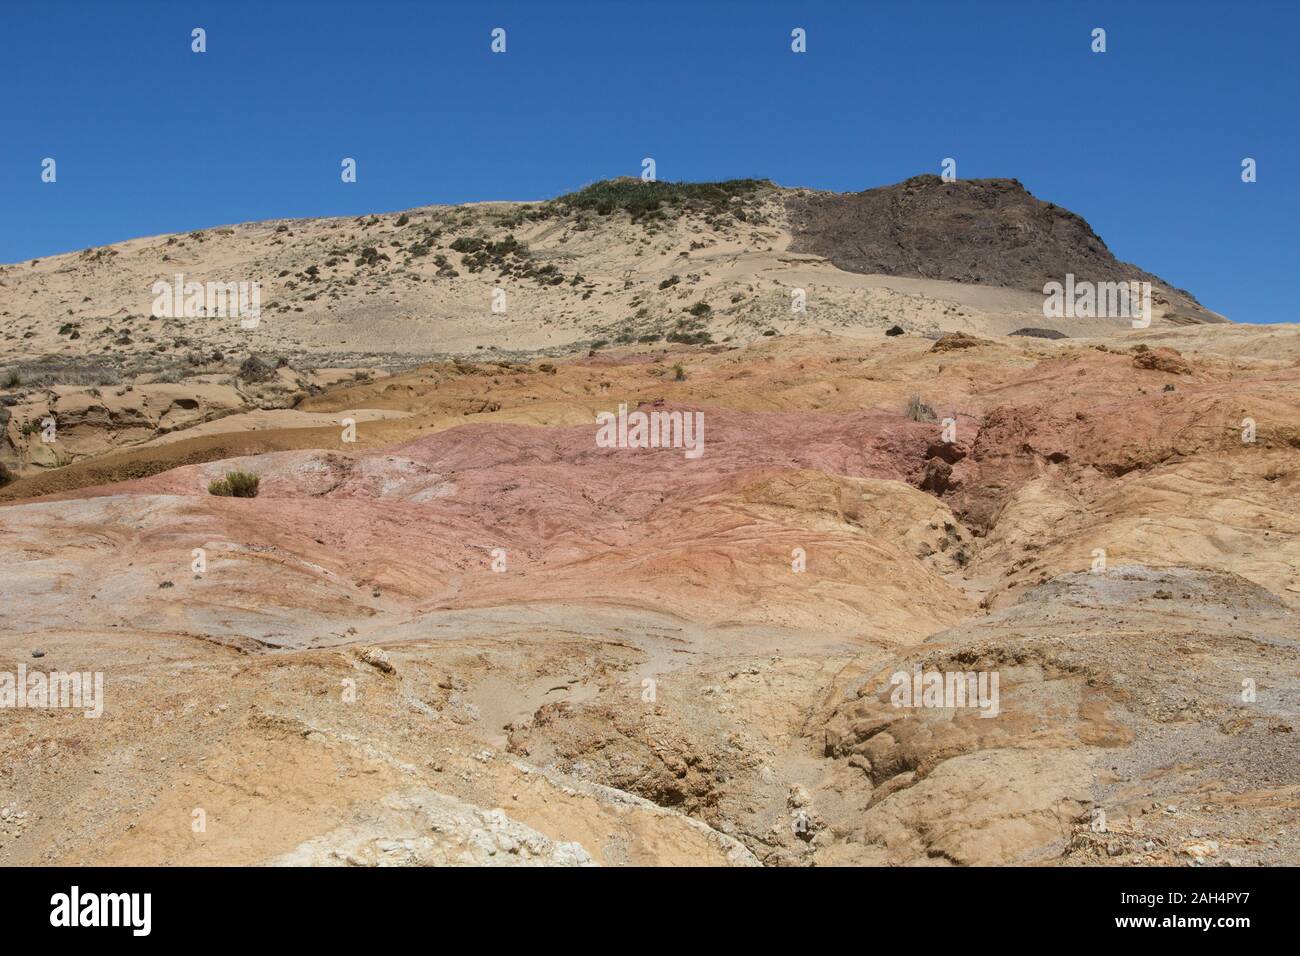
<point>456,626</point>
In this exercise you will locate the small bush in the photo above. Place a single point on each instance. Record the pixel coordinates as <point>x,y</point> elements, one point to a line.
<point>679,373</point>
<point>467,244</point>
<point>918,411</point>
<point>370,256</point>
<point>690,338</point>
<point>236,484</point>
<point>253,369</point>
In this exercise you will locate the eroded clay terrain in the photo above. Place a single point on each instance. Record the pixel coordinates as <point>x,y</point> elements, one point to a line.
<point>458,630</point>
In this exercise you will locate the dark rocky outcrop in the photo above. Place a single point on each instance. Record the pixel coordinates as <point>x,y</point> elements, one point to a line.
<point>985,231</point>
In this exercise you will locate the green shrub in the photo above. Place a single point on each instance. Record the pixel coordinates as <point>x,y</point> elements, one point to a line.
<point>236,484</point>
<point>370,256</point>
<point>467,244</point>
<point>645,201</point>
<point>690,338</point>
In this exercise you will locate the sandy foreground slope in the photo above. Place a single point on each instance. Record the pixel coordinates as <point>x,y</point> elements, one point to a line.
<point>473,636</point>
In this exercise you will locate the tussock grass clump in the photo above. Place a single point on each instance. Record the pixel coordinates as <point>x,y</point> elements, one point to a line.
<point>918,411</point>
<point>57,370</point>
<point>236,484</point>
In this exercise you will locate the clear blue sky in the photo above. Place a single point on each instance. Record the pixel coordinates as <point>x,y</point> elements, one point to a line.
<point>1145,141</point>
